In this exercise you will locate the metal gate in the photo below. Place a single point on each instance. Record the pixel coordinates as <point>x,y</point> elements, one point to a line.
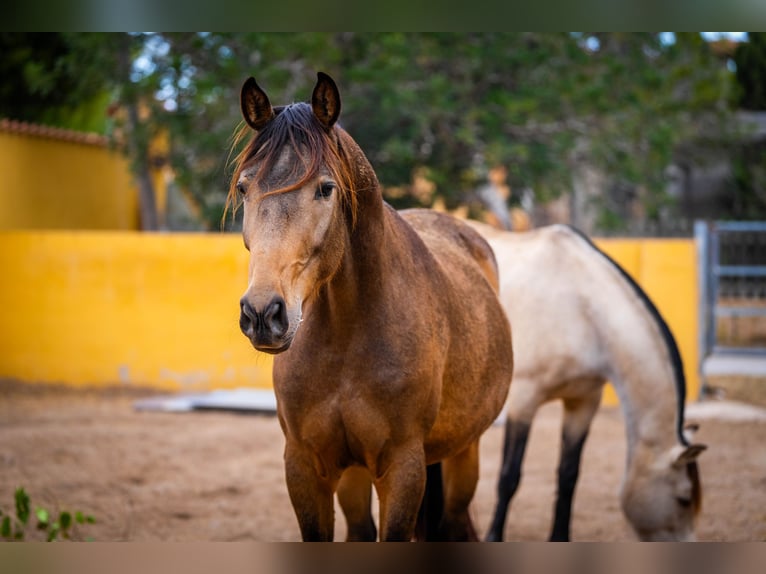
<point>732,281</point>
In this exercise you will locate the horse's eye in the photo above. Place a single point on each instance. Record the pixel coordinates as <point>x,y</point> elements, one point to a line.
<point>241,188</point>
<point>324,190</point>
<point>685,502</point>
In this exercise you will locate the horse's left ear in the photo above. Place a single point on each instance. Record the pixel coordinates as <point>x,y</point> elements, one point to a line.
<point>689,454</point>
<point>690,429</point>
<point>325,101</point>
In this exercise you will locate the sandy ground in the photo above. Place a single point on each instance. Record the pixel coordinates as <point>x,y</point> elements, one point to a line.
<point>212,476</point>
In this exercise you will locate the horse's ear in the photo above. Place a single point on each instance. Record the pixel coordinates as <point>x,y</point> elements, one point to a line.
<point>690,429</point>
<point>689,454</point>
<point>325,101</point>
<point>256,108</point>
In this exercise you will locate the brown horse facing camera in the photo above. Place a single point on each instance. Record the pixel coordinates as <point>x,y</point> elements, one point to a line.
<point>393,353</point>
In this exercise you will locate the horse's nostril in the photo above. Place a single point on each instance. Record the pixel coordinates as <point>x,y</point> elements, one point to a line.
<point>247,309</point>
<point>275,317</point>
<point>248,318</point>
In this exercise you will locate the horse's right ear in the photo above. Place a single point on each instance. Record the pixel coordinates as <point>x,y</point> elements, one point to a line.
<point>256,108</point>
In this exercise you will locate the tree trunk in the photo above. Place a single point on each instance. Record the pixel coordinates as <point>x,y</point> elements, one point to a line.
<point>137,147</point>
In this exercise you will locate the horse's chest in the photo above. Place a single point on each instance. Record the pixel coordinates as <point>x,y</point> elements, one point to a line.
<point>339,431</point>
<point>351,407</point>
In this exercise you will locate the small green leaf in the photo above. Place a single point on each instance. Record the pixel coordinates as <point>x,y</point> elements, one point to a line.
<point>22,505</point>
<point>90,519</point>
<point>65,519</point>
<point>53,532</point>
<point>79,518</point>
<point>42,515</point>
<point>5,527</point>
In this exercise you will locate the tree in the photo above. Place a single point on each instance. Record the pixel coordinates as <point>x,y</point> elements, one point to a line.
<point>445,107</point>
<point>750,59</point>
<point>72,81</point>
<point>542,104</point>
<point>56,79</point>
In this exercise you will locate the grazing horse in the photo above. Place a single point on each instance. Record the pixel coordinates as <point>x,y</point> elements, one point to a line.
<point>392,351</point>
<point>580,320</point>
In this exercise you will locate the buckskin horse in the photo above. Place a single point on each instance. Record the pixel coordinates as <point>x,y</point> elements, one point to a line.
<point>579,320</point>
<point>392,352</point>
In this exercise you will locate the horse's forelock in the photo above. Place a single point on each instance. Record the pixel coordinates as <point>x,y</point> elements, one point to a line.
<point>297,129</point>
<point>692,471</point>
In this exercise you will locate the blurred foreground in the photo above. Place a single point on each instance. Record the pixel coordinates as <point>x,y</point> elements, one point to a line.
<point>218,476</point>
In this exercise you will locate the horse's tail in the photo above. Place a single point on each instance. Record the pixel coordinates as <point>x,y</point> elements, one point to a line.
<point>432,507</point>
<point>429,526</point>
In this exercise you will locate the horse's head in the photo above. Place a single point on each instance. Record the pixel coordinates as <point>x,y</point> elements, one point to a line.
<point>293,183</point>
<point>662,497</point>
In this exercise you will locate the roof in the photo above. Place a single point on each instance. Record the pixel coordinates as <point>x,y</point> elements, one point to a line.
<point>48,132</point>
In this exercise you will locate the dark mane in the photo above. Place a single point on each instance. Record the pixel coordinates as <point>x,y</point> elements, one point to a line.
<point>667,335</point>
<point>294,127</point>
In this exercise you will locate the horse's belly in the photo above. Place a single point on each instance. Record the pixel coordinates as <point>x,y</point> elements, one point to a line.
<point>464,416</point>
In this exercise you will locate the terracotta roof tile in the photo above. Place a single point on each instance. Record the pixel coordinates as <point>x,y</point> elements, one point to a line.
<point>37,130</point>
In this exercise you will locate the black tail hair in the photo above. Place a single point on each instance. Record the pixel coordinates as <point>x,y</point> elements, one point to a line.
<point>432,506</point>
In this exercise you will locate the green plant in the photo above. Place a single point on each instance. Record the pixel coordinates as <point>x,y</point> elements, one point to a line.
<point>62,526</point>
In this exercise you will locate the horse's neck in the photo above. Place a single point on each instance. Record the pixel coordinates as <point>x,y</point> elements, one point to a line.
<point>643,376</point>
<point>359,273</point>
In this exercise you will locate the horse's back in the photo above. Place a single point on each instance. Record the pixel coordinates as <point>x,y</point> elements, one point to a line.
<point>453,242</point>
<point>558,292</point>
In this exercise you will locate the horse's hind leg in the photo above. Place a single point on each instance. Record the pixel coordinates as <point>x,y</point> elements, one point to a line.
<point>460,476</point>
<point>578,415</point>
<point>514,446</point>
<point>355,498</point>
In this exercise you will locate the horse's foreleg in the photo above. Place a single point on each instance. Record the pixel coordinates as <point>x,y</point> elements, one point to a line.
<point>400,488</point>
<point>355,498</point>
<point>311,494</point>
<point>461,474</point>
<point>578,415</point>
<point>514,445</point>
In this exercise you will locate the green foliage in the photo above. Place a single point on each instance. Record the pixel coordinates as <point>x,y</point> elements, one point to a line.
<point>747,199</point>
<point>54,527</point>
<point>750,58</point>
<point>450,104</point>
<point>55,78</point>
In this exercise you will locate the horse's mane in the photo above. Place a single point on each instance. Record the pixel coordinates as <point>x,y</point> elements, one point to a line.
<point>667,335</point>
<point>692,469</point>
<point>295,126</point>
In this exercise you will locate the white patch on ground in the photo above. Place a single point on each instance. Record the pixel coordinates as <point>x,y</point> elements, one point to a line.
<point>243,400</point>
<point>725,410</point>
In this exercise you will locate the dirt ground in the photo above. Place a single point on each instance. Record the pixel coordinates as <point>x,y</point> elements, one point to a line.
<point>217,476</point>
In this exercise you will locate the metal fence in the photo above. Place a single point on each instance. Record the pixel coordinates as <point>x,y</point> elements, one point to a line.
<point>732,280</point>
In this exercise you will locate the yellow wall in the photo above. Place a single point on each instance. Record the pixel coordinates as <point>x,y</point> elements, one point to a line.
<point>98,308</point>
<point>51,184</point>
<point>667,271</point>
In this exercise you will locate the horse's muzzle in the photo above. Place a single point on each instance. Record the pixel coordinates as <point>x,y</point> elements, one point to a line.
<point>267,329</point>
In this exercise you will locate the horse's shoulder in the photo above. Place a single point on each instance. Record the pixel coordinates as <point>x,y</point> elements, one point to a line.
<point>445,234</point>
<point>453,243</point>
